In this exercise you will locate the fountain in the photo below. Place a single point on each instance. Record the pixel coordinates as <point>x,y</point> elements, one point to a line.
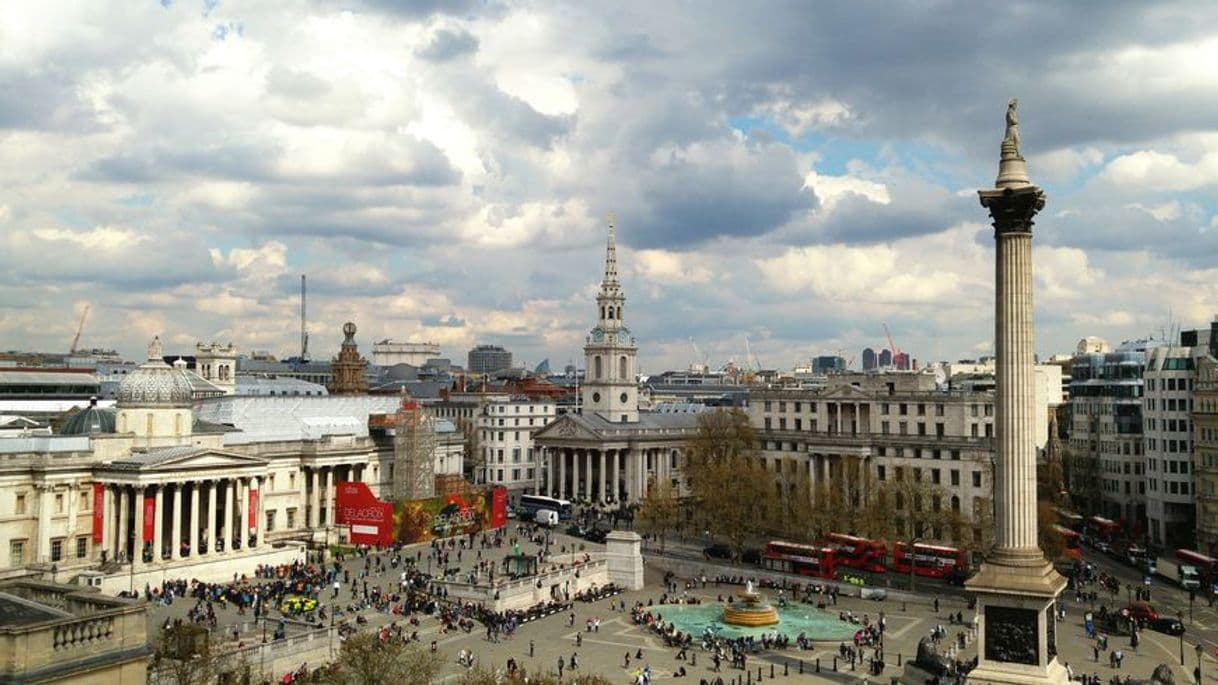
<point>751,610</point>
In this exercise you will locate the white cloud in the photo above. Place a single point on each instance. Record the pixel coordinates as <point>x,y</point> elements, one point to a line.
<point>830,189</point>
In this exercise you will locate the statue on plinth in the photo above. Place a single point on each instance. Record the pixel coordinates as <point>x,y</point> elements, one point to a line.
<point>1012,135</point>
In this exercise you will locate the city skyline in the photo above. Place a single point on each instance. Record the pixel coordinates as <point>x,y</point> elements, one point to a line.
<point>446,176</point>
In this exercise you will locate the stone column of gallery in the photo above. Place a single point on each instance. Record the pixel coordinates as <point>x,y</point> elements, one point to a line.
<point>1016,587</point>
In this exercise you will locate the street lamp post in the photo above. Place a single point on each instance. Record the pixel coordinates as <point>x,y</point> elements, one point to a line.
<point>1181,616</point>
<point>1200,652</point>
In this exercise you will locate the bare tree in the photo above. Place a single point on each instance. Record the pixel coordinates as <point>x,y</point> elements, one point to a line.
<point>727,482</point>
<point>657,515</point>
<point>365,660</point>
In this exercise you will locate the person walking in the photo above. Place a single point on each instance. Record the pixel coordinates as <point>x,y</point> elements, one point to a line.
<point>561,664</point>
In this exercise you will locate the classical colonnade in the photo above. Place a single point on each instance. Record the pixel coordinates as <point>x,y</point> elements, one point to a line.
<point>190,518</point>
<point>198,518</point>
<point>604,475</point>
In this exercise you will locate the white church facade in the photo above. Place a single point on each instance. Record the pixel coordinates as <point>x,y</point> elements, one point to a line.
<point>610,452</point>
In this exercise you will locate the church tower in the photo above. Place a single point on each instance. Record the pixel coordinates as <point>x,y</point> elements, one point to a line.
<point>610,387</point>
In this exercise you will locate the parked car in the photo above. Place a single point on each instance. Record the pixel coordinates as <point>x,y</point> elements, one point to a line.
<point>1170,626</point>
<point>1143,611</point>
<point>718,551</point>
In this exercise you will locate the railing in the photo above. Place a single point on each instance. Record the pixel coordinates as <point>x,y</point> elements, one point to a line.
<point>82,633</point>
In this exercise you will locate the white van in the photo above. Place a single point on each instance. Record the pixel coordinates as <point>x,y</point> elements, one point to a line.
<point>546,517</point>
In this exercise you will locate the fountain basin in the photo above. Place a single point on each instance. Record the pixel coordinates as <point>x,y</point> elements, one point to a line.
<point>793,619</point>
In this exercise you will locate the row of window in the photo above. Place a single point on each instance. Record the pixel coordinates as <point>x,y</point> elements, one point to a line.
<point>541,421</point>
<point>1169,404</point>
<point>1169,425</point>
<point>1172,487</point>
<point>886,408</point>
<point>516,455</point>
<point>1169,446</point>
<point>17,550</point>
<point>20,505</point>
<point>514,473</point>
<point>936,477</point>
<point>1167,384</point>
<point>502,408</point>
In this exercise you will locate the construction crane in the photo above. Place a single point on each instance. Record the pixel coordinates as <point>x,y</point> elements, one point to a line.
<point>701,361</point>
<point>79,328</point>
<point>891,345</point>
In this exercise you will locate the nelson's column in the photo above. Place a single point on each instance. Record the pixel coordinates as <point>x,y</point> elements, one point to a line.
<point>1017,587</point>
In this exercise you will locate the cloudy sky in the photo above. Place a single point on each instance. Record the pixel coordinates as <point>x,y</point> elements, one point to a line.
<point>796,173</point>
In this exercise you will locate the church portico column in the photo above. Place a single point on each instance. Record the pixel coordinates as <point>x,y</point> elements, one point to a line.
<point>575,473</point>
<point>107,545</point>
<point>588,477</point>
<point>175,523</point>
<point>616,487</point>
<point>259,516</point>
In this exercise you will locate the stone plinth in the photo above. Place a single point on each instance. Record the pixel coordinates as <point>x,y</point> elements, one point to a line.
<point>624,551</point>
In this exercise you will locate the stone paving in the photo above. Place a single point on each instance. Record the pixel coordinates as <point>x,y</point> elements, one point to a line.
<point>603,651</point>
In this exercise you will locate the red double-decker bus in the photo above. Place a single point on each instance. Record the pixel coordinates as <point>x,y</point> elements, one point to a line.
<point>1073,542</point>
<point>859,553</point>
<point>806,560</point>
<point>1100,528</point>
<point>932,561</point>
<point>1206,566</point>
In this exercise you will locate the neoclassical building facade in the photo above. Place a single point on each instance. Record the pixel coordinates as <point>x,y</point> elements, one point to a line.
<point>152,489</point>
<point>611,452</point>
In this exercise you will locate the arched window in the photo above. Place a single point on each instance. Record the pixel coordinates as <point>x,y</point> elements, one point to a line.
<point>596,364</point>
<point>603,312</point>
<point>955,503</point>
<point>611,312</point>
<point>621,367</point>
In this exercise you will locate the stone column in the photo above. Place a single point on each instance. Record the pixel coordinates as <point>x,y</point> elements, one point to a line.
<point>193,533</point>
<point>617,470</point>
<point>588,477</point>
<point>547,458</point>
<point>312,483</point>
<point>108,520</point>
<point>302,513</point>
<point>45,499</point>
<point>121,511</point>
<point>561,456</point>
<point>1016,587</point>
<point>213,497</point>
<point>574,473</point>
<point>137,554</point>
<point>329,496</point>
<point>230,519</point>
<point>175,533</point>
<point>158,530</point>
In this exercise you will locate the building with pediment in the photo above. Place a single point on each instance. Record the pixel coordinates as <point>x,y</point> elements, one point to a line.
<point>166,485</point>
<point>610,451</point>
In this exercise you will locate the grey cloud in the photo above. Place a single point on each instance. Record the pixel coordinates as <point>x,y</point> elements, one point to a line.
<point>295,84</point>
<point>447,44</point>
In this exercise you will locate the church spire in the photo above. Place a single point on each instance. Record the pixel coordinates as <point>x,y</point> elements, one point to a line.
<point>611,256</point>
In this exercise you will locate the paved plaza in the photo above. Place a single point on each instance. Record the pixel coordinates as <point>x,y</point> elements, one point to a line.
<point>539,644</point>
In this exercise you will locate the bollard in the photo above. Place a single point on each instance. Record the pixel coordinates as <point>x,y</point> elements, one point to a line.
<point>835,664</point>
<point>771,670</point>
<point>898,658</point>
<point>759,674</point>
<point>786,669</point>
<point>749,680</point>
<point>818,664</point>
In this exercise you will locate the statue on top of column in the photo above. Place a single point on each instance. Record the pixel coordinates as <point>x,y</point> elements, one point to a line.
<point>1012,134</point>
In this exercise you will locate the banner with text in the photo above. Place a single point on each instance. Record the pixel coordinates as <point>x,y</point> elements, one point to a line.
<point>149,517</point>
<point>99,512</point>
<point>374,521</point>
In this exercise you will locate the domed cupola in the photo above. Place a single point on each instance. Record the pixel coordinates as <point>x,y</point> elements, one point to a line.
<point>91,419</point>
<point>155,383</point>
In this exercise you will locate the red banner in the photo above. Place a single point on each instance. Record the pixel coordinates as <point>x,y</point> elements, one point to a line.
<point>371,520</point>
<point>253,509</point>
<point>149,517</point>
<point>99,512</point>
<point>375,522</point>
